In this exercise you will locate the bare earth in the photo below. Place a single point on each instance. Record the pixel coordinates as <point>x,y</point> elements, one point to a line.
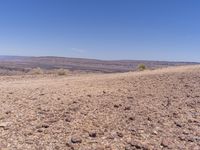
<point>157,109</point>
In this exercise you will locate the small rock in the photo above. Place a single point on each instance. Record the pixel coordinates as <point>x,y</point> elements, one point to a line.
<point>185,132</point>
<point>192,120</point>
<point>52,120</point>
<point>39,130</point>
<point>175,115</point>
<point>116,105</point>
<point>130,97</point>
<point>68,119</point>
<point>28,133</point>
<point>193,138</point>
<point>131,118</point>
<point>155,132</point>
<point>128,147</point>
<point>29,141</point>
<point>178,124</point>
<point>138,145</point>
<point>75,102</point>
<point>190,139</point>
<point>4,125</point>
<point>57,147</point>
<point>182,138</point>
<point>1,117</point>
<point>45,126</point>
<point>69,144</point>
<point>8,112</point>
<point>120,134</point>
<point>92,134</point>
<point>127,108</point>
<point>149,119</point>
<point>76,139</point>
<point>74,108</point>
<point>89,95</point>
<point>194,147</point>
<point>166,142</point>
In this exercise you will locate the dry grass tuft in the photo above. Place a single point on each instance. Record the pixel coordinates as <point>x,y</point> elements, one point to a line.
<point>36,71</point>
<point>62,72</point>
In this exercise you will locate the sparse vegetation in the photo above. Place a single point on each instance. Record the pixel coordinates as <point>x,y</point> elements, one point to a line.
<point>36,71</point>
<point>142,67</point>
<point>62,72</point>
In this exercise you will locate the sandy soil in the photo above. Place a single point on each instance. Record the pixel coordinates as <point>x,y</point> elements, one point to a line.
<point>157,109</point>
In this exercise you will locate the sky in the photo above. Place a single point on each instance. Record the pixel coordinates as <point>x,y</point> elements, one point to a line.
<point>102,29</point>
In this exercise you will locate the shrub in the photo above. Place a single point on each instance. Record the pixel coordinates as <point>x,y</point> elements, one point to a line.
<point>62,72</point>
<point>37,70</point>
<point>142,67</point>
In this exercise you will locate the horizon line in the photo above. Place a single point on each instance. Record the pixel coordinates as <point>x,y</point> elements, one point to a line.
<point>58,56</point>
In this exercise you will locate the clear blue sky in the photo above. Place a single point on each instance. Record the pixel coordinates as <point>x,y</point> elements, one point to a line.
<point>103,29</point>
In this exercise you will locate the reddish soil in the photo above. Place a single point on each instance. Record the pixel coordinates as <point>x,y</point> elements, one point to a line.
<point>146,110</point>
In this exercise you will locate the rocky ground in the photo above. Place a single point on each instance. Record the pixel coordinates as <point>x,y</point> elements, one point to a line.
<point>147,110</point>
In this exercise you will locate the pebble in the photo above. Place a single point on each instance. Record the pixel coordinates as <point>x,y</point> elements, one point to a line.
<point>166,142</point>
<point>127,108</point>
<point>68,119</point>
<point>4,125</point>
<point>89,95</point>
<point>120,134</point>
<point>39,130</point>
<point>76,139</point>
<point>178,124</point>
<point>45,126</point>
<point>130,97</point>
<point>116,105</point>
<point>92,134</point>
<point>137,145</point>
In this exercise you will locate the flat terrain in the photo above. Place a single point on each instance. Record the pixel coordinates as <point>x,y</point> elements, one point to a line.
<point>157,109</point>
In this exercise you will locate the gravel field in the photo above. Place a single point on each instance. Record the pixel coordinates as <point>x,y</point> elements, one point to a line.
<point>149,110</point>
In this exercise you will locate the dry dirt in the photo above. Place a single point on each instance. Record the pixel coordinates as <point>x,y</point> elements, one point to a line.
<point>157,109</point>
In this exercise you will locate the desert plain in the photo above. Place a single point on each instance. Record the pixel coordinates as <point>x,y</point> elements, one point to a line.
<point>148,110</point>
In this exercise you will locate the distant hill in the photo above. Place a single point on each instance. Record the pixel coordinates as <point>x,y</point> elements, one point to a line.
<point>91,65</point>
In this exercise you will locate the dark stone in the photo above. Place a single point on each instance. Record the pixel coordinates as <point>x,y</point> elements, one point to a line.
<point>178,124</point>
<point>131,118</point>
<point>120,134</point>
<point>89,95</point>
<point>68,119</point>
<point>127,108</point>
<point>39,130</point>
<point>116,105</point>
<point>130,97</point>
<point>92,134</point>
<point>45,126</point>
